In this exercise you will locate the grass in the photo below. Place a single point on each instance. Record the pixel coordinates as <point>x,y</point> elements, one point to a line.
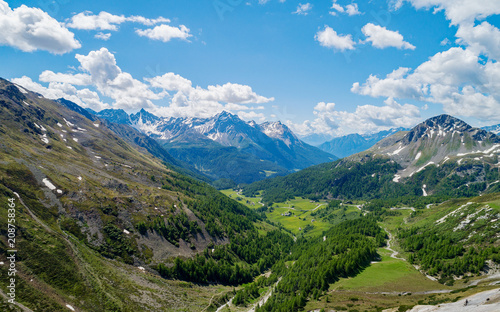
<point>299,204</point>
<point>250,202</point>
<point>388,275</point>
<point>264,227</point>
<point>300,217</point>
<point>393,222</point>
<point>299,207</point>
<point>269,173</point>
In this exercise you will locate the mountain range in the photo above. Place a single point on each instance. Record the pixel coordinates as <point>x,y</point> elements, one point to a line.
<point>495,129</point>
<point>442,155</point>
<point>354,143</point>
<point>350,144</point>
<point>224,147</point>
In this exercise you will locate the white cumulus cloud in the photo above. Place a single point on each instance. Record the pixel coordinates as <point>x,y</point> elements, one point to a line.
<point>74,79</point>
<point>303,9</point>
<point>350,9</point>
<point>128,93</point>
<point>454,78</point>
<point>464,80</point>
<point>107,21</point>
<point>458,11</point>
<point>365,119</point>
<point>101,76</point>
<point>55,90</point>
<point>165,33</point>
<point>171,82</point>
<point>102,36</point>
<point>482,39</point>
<point>380,37</point>
<point>251,116</point>
<point>330,39</point>
<point>30,29</point>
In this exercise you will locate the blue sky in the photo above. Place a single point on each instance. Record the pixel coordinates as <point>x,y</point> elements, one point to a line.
<point>323,67</point>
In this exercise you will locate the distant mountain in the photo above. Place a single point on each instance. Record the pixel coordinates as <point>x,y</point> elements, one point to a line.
<point>443,156</point>
<point>115,115</point>
<point>224,146</point>
<point>354,143</point>
<point>316,139</point>
<point>495,129</point>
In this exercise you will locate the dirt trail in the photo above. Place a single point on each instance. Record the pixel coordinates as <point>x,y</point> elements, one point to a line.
<point>228,304</point>
<point>318,207</point>
<point>486,278</point>
<point>65,237</point>
<point>19,305</point>
<point>265,298</point>
<point>388,247</point>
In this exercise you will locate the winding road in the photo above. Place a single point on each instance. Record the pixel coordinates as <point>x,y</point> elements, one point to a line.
<point>388,247</point>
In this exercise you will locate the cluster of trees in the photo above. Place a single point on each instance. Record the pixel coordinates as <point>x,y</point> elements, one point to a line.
<point>348,248</point>
<point>222,215</point>
<point>233,264</point>
<point>116,245</point>
<point>226,163</point>
<point>203,270</point>
<point>335,213</point>
<point>172,228</point>
<point>263,251</point>
<point>444,253</point>
<point>340,179</point>
<point>251,291</point>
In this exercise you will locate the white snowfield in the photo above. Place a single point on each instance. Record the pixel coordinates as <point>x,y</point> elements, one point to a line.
<point>488,151</point>
<point>48,184</point>
<point>21,89</point>
<point>486,301</point>
<point>422,168</point>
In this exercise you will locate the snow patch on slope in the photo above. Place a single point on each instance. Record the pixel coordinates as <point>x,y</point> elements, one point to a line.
<point>48,184</point>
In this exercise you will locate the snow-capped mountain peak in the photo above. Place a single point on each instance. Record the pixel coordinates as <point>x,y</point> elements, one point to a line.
<point>279,131</point>
<point>272,141</point>
<point>437,140</point>
<point>493,129</point>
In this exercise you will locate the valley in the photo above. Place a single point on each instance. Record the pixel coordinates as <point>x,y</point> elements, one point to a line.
<point>109,220</point>
<point>390,278</point>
